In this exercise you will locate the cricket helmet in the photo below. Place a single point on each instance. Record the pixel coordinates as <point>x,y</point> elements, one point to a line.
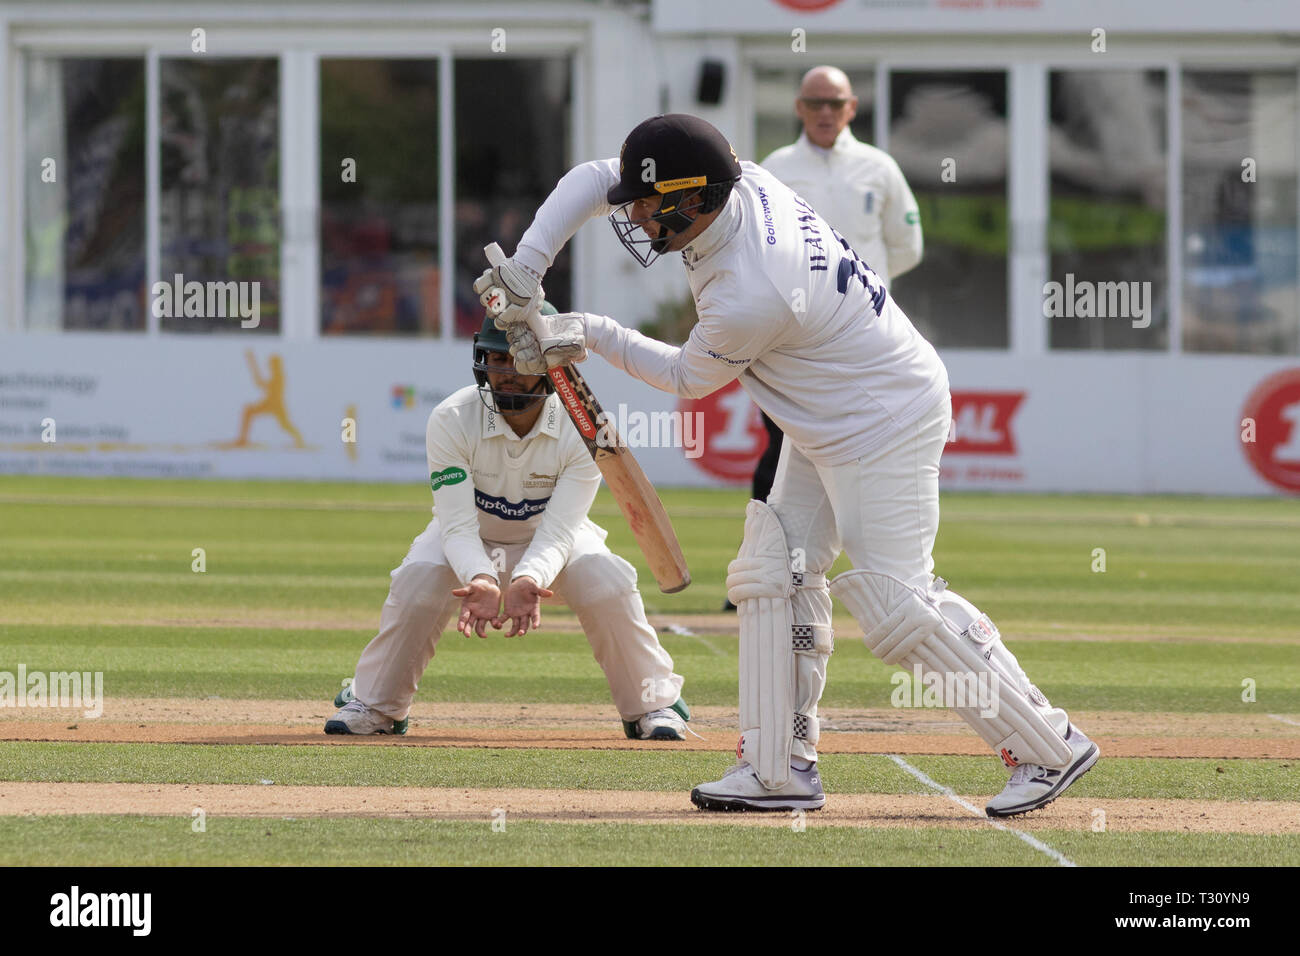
<point>679,157</point>
<point>491,339</point>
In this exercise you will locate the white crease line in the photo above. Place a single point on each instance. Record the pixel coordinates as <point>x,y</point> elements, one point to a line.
<point>948,792</point>
<point>1286,720</point>
<point>687,632</point>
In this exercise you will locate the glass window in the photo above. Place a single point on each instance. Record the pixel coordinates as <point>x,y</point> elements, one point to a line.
<point>379,196</point>
<point>948,133</point>
<point>1239,212</point>
<point>219,203</point>
<point>506,169</point>
<point>1107,281</point>
<point>84,183</point>
<point>775,122</point>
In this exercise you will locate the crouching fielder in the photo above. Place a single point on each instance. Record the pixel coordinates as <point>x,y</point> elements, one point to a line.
<point>787,306</point>
<point>512,485</point>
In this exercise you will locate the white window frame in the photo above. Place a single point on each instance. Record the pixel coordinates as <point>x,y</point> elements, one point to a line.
<point>298,37</point>
<point>1028,59</point>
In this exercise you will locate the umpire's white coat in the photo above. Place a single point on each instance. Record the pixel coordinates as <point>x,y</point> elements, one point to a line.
<point>508,506</point>
<point>861,191</point>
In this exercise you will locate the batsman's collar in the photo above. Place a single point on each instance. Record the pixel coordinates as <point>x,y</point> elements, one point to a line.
<point>719,232</point>
<point>548,422</point>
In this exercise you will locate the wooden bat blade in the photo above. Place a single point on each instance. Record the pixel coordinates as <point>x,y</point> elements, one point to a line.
<point>636,496</point>
<point>645,515</point>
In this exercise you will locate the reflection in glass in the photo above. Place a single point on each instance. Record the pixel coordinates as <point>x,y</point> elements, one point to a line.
<point>948,133</point>
<point>505,169</point>
<point>1239,212</point>
<point>379,214</point>
<point>84,235</point>
<point>219,204</point>
<point>1106,228</point>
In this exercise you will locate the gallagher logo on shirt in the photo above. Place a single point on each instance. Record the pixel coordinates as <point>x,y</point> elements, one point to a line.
<point>510,510</point>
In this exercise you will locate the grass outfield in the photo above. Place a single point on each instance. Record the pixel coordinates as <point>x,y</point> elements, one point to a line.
<point>660,770</point>
<point>96,575</point>
<point>170,841</point>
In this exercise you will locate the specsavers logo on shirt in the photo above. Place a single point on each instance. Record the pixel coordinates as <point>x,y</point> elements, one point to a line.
<point>448,476</point>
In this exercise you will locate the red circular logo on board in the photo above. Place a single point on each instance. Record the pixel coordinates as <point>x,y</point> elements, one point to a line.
<point>733,434</point>
<point>1274,407</point>
<point>805,5</point>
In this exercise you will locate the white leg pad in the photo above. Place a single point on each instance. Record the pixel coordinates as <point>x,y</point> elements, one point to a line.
<point>777,656</point>
<point>904,626</point>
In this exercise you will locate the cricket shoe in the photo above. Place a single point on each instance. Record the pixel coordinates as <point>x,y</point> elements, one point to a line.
<point>1032,786</point>
<point>356,718</point>
<point>666,723</point>
<point>740,789</point>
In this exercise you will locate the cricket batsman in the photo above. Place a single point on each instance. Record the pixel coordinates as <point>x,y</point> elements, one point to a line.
<point>512,485</point>
<point>810,330</point>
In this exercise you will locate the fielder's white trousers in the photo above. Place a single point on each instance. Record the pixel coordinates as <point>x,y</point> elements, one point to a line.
<point>598,585</point>
<point>882,509</point>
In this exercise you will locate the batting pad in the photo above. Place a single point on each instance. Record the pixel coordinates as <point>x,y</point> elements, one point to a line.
<point>903,627</point>
<point>759,583</point>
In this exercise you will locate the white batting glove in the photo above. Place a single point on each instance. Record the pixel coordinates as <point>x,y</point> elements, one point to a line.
<point>547,341</point>
<point>525,350</point>
<point>507,291</point>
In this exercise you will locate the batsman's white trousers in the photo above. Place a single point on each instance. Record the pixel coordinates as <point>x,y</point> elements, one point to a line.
<point>598,585</point>
<point>882,509</point>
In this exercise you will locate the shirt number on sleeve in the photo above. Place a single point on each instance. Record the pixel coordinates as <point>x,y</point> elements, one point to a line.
<point>851,267</point>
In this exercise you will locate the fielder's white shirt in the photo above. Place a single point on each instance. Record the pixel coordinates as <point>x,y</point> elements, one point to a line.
<point>861,192</point>
<point>490,485</point>
<point>783,304</point>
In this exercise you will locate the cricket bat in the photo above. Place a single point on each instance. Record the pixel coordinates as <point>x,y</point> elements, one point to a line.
<point>636,496</point>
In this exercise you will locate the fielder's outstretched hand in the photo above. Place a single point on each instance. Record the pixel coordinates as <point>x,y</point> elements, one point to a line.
<point>524,605</point>
<point>480,605</point>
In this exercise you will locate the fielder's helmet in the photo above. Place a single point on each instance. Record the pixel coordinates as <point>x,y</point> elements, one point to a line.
<point>491,339</point>
<point>679,157</point>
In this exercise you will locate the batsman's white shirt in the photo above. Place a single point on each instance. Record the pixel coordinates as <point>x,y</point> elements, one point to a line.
<point>784,303</point>
<point>490,485</point>
<point>862,192</point>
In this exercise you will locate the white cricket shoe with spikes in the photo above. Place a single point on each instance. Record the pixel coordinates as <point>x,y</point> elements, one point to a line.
<point>740,789</point>
<point>1032,786</point>
<point>662,724</point>
<point>356,718</point>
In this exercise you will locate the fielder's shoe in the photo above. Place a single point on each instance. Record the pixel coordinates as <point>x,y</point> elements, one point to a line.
<point>356,718</point>
<point>740,789</point>
<point>666,723</point>
<point>1032,786</point>
<point>345,695</point>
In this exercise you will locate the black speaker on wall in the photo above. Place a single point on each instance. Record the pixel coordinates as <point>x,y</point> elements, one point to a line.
<point>712,73</point>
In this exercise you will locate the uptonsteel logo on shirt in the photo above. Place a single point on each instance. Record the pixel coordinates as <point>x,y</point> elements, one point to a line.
<point>510,510</point>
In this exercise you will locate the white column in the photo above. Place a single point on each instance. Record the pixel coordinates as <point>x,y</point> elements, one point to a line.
<point>152,187</point>
<point>1174,204</point>
<point>11,140</point>
<point>299,195</point>
<point>446,194</point>
<point>1029,186</point>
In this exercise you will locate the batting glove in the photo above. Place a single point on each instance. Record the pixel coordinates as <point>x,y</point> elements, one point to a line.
<point>520,286</point>
<point>547,341</point>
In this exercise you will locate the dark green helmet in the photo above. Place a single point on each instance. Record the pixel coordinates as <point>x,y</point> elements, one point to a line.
<point>491,339</point>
